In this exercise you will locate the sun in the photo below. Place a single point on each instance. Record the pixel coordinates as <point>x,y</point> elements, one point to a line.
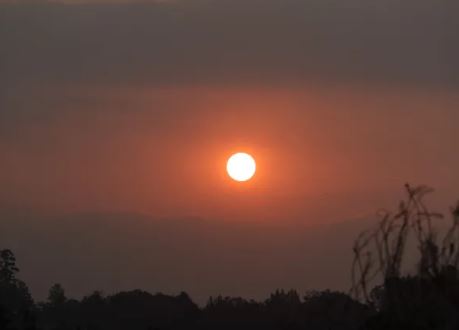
<point>241,167</point>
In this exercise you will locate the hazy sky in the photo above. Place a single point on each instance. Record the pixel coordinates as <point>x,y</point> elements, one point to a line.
<point>115,108</point>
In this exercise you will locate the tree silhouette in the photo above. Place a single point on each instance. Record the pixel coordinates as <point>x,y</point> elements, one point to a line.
<point>56,296</point>
<point>8,268</point>
<point>15,297</point>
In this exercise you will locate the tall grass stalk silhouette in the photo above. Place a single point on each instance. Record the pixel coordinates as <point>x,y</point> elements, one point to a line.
<point>381,252</point>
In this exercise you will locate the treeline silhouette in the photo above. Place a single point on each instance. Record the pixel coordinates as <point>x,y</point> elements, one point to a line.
<point>382,297</point>
<point>141,310</point>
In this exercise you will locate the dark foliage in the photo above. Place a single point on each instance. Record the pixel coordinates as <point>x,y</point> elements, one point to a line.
<point>141,310</point>
<point>16,304</point>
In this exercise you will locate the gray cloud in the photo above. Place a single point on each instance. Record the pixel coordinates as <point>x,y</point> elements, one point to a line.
<point>231,41</point>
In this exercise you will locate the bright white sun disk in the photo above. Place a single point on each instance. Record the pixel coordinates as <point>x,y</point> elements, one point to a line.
<point>241,166</point>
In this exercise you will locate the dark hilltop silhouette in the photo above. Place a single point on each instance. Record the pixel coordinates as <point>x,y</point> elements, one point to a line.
<point>383,295</point>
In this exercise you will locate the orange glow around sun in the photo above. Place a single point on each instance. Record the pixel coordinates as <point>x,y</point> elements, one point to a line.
<point>241,167</point>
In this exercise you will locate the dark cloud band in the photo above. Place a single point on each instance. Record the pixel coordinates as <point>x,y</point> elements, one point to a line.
<point>220,41</point>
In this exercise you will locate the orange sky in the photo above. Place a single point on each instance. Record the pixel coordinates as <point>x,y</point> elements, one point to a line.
<point>75,181</point>
<point>116,121</point>
<point>323,153</point>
